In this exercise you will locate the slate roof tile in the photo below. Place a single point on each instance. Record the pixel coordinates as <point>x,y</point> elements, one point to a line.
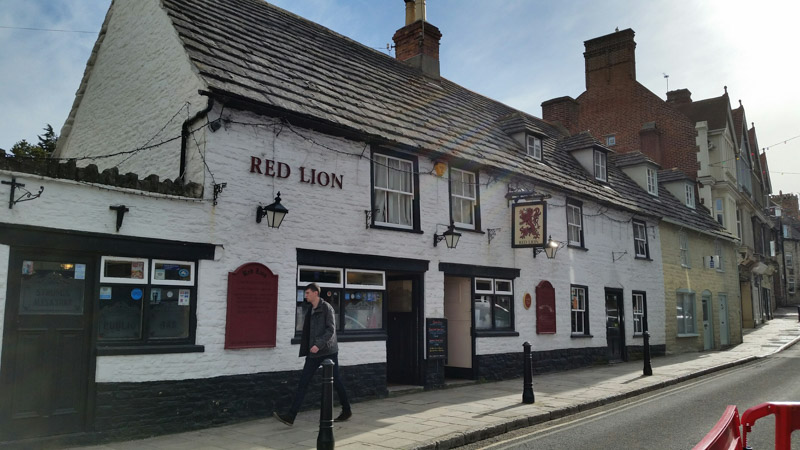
<point>264,54</point>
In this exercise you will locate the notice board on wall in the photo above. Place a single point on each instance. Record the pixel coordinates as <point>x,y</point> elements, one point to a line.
<point>252,317</point>
<point>436,338</point>
<point>545,308</point>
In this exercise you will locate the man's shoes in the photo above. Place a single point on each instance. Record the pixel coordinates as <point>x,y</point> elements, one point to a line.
<point>346,414</point>
<point>286,419</point>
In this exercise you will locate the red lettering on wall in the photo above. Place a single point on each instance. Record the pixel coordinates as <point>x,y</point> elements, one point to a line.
<point>337,181</point>
<point>320,181</point>
<point>255,164</point>
<point>284,170</point>
<point>270,172</point>
<point>303,175</point>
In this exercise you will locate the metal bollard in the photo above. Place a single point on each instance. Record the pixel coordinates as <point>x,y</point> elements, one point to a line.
<point>325,439</point>
<point>648,369</point>
<point>798,313</point>
<point>527,387</point>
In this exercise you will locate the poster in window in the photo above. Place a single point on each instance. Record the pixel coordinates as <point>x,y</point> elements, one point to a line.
<point>252,313</point>
<point>137,270</point>
<point>529,224</point>
<point>545,308</point>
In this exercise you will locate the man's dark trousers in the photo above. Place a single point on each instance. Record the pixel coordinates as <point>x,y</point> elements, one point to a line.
<point>311,366</point>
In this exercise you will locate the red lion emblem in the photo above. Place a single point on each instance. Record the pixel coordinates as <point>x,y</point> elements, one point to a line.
<point>529,223</point>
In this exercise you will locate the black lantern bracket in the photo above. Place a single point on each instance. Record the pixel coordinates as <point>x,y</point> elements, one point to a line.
<point>26,196</point>
<point>517,192</point>
<point>491,233</point>
<point>450,236</point>
<point>369,214</point>
<point>550,248</point>
<point>616,256</point>
<point>218,188</point>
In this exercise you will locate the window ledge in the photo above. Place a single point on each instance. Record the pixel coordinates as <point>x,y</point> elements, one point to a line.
<point>685,266</point>
<point>108,350</point>
<point>402,230</point>
<point>577,247</point>
<point>581,336</point>
<point>688,335</point>
<point>642,258</point>
<point>470,230</point>
<point>353,337</point>
<point>491,333</point>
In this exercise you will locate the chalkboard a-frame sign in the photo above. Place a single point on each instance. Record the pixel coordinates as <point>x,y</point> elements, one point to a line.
<point>436,338</point>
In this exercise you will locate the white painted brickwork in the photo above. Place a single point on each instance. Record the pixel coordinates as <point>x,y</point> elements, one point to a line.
<point>137,81</point>
<point>332,219</point>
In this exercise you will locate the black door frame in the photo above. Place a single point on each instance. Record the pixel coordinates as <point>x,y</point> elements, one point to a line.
<point>418,306</point>
<point>16,256</point>
<point>623,350</point>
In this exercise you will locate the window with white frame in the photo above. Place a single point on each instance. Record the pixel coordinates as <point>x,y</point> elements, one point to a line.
<point>611,140</point>
<point>579,308</point>
<point>686,313</point>
<point>790,283</point>
<point>638,312</point>
<point>463,198</point>
<point>575,223</point>
<point>600,172</point>
<point>394,197</point>
<point>494,301</point>
<point>652,182</point>
<point>718,253</point>
<point>719,211</point>
<point>534,147</point>
<point>738,223</point>
<point>146,301</point>
<point>640,245</point>
<point>789,257</point>
<point>689,195</point>
<point>357,296</point>
<point>684,244</point>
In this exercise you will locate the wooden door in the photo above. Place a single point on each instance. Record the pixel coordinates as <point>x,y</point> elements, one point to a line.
<point>44,381</point>
<point>403,330</point>
<point>615,325</point>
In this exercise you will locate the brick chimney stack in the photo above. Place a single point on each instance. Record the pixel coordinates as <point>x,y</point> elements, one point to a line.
<point>417,43</point>
<point>679,97</point>
<point>610,59</point>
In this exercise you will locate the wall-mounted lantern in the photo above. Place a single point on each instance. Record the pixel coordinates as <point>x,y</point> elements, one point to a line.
<point>275,212</point>
<point>550,248</point>
<point>450,237</point>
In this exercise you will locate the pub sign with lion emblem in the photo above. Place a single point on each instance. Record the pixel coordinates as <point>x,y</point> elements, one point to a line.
<point>528,220</point>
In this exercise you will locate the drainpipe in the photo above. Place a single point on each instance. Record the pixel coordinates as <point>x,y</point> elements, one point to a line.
<point>185,132</point>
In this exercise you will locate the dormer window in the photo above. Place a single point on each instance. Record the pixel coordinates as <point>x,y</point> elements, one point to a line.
<point>600,166</point>
<point>611,140</point>
<point>535,147</point>
<point>689,196</point>
<point>652,182</point>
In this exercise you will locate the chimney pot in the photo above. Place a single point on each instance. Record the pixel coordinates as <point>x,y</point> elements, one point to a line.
<point>417,43</point>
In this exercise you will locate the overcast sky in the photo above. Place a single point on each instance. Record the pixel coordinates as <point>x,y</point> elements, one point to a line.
<point>520,52</point>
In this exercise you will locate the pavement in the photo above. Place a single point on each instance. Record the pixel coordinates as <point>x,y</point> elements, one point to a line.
<point>448,418</point>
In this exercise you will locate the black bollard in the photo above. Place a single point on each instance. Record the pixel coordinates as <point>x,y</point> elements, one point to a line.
<point>325,439</point>
<point>527,387</point>
<point>798,313</point>
<point>648,370</point>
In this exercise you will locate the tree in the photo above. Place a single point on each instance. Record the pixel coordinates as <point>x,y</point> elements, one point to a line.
<point>45,147</point>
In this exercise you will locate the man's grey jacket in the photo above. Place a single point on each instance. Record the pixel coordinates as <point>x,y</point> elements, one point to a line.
<point>319,328</point>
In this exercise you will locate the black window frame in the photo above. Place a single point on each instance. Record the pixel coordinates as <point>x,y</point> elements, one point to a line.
<point>492,304</point>
<point>146,344</point>
<point>646,240</point>
<point>476,208</point>
<point>586,331</point>
<point>575,203</point>
<point>342,333</point>
<point>415,202</point>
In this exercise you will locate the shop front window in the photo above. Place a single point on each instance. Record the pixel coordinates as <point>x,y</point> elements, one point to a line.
<point>143,301</point>
<point>494,304</point>
<point>357,296</point>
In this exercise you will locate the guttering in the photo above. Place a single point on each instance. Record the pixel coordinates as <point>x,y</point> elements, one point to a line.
<point>185,131</point>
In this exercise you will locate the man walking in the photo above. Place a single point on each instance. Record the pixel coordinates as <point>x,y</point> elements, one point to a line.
<point>317,344</point>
